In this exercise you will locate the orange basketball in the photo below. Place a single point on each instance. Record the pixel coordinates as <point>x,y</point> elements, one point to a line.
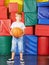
<point>17,32</point>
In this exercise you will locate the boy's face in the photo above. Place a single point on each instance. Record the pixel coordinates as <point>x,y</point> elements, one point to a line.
<point>18,17</point>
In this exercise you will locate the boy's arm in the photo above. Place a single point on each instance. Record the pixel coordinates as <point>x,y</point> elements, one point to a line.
<point>11,33</point>
<point>23,32</point>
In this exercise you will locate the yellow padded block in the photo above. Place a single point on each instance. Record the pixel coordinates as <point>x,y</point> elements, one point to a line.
<point>20,4</point>
<point>19,8</point>
<point>6,2</point>
<point>42,0</point>
<point>18,1</point>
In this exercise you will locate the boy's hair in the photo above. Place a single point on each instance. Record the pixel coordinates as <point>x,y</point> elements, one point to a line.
<point>19,13</point>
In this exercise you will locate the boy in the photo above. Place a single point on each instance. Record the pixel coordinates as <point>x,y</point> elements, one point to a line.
<point>17,41</point>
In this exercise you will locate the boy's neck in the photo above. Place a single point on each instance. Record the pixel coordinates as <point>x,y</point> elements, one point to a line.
<point>17,20</point>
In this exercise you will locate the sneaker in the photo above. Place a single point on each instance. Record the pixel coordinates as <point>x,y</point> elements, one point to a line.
<point>10,61</point>
<point>22,61</point>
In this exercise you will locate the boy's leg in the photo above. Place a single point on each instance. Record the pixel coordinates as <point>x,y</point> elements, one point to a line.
<point>21,55</point>
<point>12,56</point>
<point>20,47</point>
<point>13,48</point>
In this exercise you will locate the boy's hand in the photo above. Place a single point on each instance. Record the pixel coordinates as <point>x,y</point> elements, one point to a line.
<point>23,33</point>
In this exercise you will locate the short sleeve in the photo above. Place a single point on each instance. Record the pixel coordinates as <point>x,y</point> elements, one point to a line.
<point>23,26</point>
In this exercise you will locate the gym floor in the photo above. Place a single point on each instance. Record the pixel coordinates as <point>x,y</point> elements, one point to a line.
<point>29,60</point>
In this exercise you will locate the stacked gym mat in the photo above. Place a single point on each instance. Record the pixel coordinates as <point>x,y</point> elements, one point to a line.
<point>5,38</point>
<point>42,29</point>
<point>30,15</point>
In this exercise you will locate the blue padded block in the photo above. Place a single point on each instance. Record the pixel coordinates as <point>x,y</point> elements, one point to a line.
<point>43,4</point>
<point>43,12</point>
<point>43,21</point>
<point>30,43</point>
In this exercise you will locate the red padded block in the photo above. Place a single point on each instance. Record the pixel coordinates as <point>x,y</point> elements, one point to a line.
<point>48,48</point>
<point>3,12</point>
<point>42,30</point>
<point>2,2</point>
<point>13,7</point>
<point>22,17</point>
<point>12,17</point>
<point>5,27</point>
<point>43,43</point>
<point>29,30</point>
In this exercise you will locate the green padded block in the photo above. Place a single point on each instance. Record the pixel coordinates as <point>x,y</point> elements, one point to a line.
<point>5,45</point>
<point>30,19</point>
<point>29,6</point>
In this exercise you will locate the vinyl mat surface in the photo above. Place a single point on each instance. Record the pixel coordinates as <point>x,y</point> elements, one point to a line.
<point>29,60</point>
